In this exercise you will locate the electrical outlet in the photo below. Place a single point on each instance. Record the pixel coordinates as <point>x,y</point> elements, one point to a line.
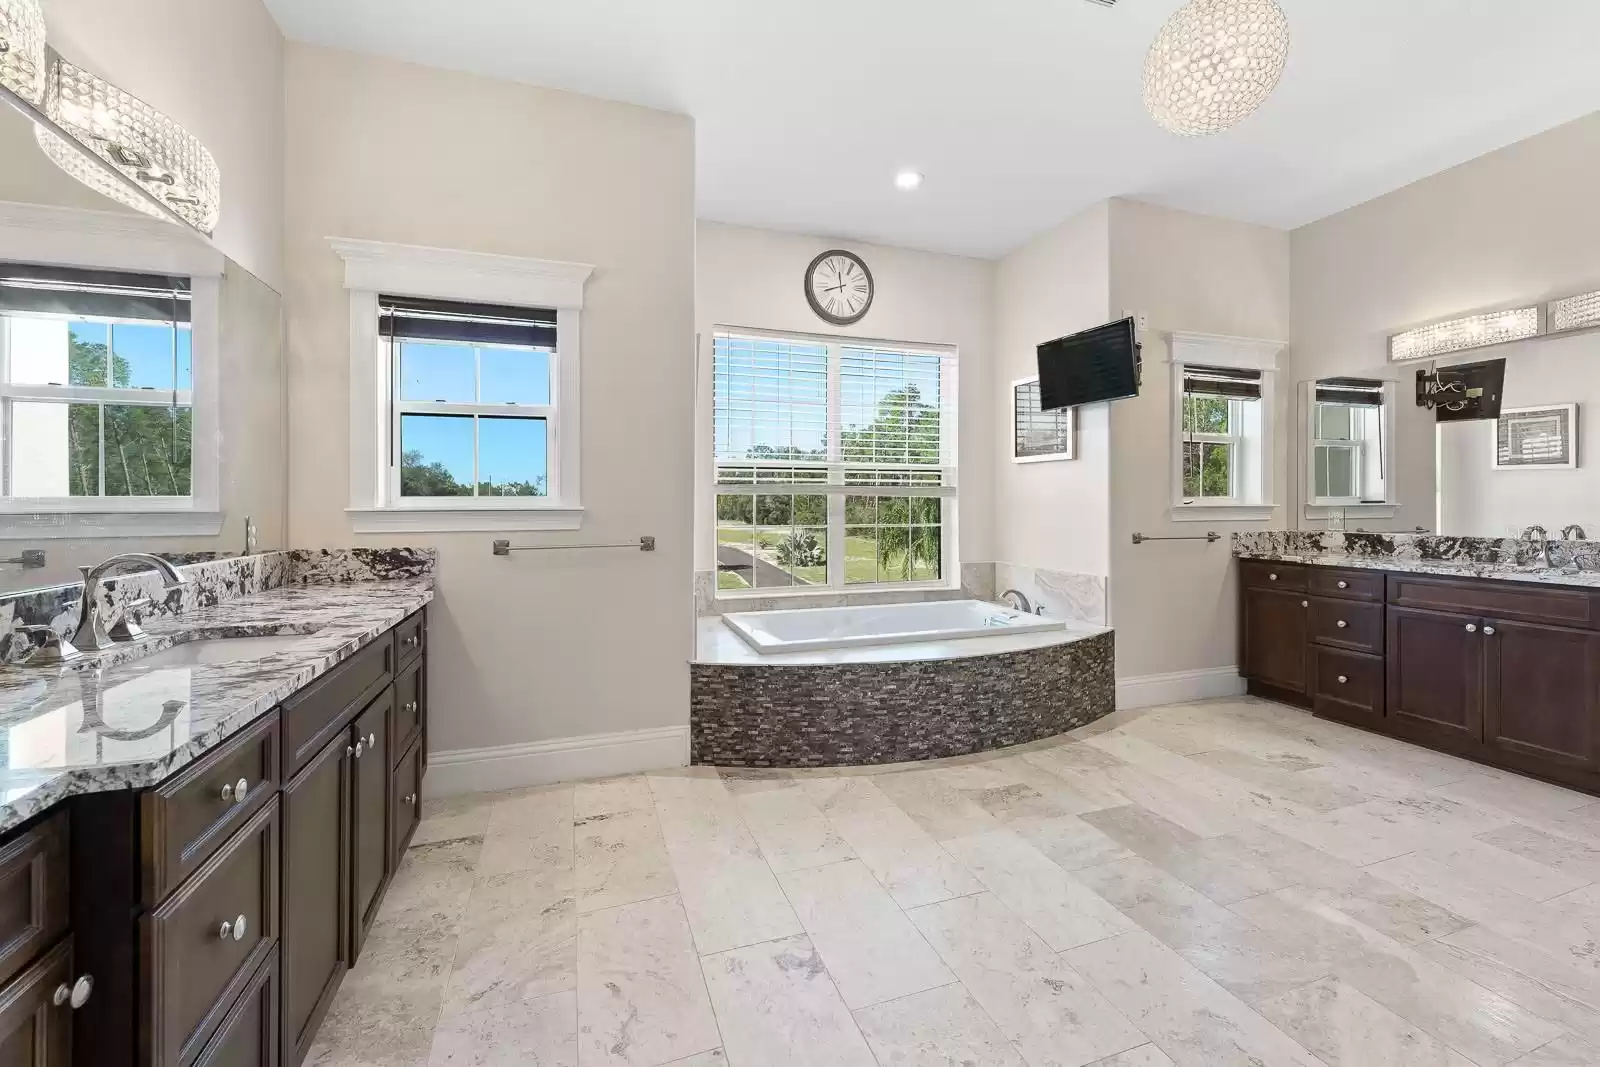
<point>1141,320</point>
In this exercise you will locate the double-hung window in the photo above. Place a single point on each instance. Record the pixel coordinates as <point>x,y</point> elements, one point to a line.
<point>1219,406</point>
<point>96,390</point>
<point>472,410</point>
<point>835,462</point>
<point>1347,449</point>
<point>1224,399</point>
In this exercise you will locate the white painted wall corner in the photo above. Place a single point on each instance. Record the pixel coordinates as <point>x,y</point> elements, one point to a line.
<point>486,770</point>
<point>1153,690</point>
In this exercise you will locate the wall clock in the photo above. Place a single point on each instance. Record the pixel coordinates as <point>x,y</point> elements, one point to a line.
<point>839,287</point>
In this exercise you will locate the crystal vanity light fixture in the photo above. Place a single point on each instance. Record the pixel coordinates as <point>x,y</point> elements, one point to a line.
<point>1575,312</point>
<point>160,156</point>
<point>1468,331</point>
<point>1214,62</point>
<point>22,63</point>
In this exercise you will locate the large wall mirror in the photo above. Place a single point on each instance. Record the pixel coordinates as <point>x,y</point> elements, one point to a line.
<point>141,381</point>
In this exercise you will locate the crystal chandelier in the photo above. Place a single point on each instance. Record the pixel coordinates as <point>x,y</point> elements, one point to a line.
<point>22,49</point>
<point>1214,62</point>
<point>163,158</point>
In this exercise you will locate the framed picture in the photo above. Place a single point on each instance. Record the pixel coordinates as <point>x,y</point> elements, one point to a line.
<point>1038,436</point>
<point>1538,438</point>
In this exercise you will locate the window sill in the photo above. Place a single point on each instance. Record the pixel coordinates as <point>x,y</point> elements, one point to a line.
<point>432,519</point>
<point>35,525</point>
<point>1221,512</point>
<point>1357,511</point>
<point>825,592</point>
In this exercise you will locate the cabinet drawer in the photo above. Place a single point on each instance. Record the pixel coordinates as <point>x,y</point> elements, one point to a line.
<point>1265,574</point>
<point>1356,585</point>
<point>34,894</point>
<point>1347,685</point>
<point>188,818</point>
<point>407,718</point>
<point>1347,624</point>
<point>409,638</point>
<point>315,714</point>
<point>196,961</point>
<point>405,803</point>
<point>1498,599</point>
<point>35,1031</point>
<point>248,1037</point>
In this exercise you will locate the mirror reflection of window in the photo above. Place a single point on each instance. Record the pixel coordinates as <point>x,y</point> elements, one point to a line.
<point>1349,464</point>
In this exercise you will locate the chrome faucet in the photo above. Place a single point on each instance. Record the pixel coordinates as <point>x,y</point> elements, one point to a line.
<point>91,634</point>
<point>1573,533</point>
<point>1018,601</point>
<point>1542,540</point>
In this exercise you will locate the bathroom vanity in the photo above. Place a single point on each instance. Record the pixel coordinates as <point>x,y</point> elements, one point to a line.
<point>194,863</point>
<point>1496,664</point>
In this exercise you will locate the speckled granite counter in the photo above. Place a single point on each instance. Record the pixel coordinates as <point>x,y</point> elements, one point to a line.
<point>1576,563</point>
<point>117,724</point>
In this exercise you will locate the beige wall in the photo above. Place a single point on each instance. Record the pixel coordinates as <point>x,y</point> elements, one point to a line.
<point>1052,515</point>
<point>215,66</point>
<point>752,278</point>
<point>1515,226</point>
<point>1174,603</point>
<point>543,645</point>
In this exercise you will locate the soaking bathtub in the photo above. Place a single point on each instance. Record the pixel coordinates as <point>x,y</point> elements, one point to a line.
<point>811,629</point>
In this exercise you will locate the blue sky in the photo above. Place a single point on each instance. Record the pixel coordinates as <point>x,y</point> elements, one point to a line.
<point>508,449</point>
<point>148,350</point>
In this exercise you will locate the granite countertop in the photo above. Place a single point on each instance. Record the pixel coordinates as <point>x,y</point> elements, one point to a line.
<point>1444,568</point>
<point>114,723</point>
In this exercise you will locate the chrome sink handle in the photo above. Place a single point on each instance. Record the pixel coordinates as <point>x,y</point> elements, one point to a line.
<point>91,634</point>
<point>127,628</point>
<point>55,649</point>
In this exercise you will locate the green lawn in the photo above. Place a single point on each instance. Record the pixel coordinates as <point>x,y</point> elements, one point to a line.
<point>860,560</point>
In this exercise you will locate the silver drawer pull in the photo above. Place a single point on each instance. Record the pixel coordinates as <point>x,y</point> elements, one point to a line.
<point>1488,631</point>
<point>234,929</point>
<point>1472,627</point>
<point>1344,585</point>
<point>361,746</point>
<point>237,793</point>
<point>1342,624</point>
<point>1272,577</point>
<point>372,740</point>
<point>78,993</point>
<point>1343,678</point>
<point>1305,603</point>
<point>411,706</point>
<point>409,798</point>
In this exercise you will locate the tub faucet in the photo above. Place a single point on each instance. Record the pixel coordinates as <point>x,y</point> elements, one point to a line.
<point>1573,533</point>
<point>1539,537</point>
<point>1017,601</point>
<point>91,633</point>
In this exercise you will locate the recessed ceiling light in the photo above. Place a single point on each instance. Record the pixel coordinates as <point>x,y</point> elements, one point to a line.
<point>907,179</point>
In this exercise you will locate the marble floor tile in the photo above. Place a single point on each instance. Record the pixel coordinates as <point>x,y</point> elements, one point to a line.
<point>1013,803</point>
<point>435,876</point>
<point>1059,908</point>
<point>1173,800</point>
<point>777,1005</point>
<point>869,946</point>
<point>942,1027</point>
<point>407,950</point>
<point>1468,894</point>
<point>1054,1016</point>
<point>1346,1028</point>
<point>1058,776</point>
<point>1195,1021</point>
<point>529,832</point>
<point>905,860</point>
<point>715,1058</point>
<point>791,830</point>
<point>940,808</point>
<point>1572,858</point>
<point>620,859</point>
<point>1225,878</point>
<point>611,796</point>
<point>1538,983</point>
<point>1069,842</point>
<point>1514,795</point>
<point>1312,794</point>
<point>444,818</point>
<point>641,998</point>
<point>1564,1051</point>
<point>535,1033</point>
<point>517,941</point>
<point>1143,1056</point>
<point>1491,866</point>
<point>844,796</point>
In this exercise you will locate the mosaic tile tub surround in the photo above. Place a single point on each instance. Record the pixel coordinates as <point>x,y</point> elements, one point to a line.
<point>849,714</point>
<point>1571,562</point>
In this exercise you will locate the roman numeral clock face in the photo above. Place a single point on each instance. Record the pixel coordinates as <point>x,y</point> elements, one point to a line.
<point>839,287</point>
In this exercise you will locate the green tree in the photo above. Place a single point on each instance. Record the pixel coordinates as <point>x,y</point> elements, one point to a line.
<point>428,479</point>
<point>148,449</point>
<point>904,431</point>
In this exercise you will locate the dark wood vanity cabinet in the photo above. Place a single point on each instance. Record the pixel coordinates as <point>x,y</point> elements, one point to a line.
<point>1501,672</point>
<point>208,921</point>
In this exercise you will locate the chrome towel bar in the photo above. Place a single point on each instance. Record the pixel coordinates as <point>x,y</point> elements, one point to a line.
<point>505,548</point>
<point>1210,535</point>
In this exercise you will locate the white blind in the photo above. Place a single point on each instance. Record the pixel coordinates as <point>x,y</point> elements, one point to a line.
<point>845,415</point>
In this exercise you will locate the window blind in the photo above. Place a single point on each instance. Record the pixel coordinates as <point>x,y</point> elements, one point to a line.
<point>93,293</point>
<point>1355,392</point>
<point>412,319</point>
<point>1230,382</point>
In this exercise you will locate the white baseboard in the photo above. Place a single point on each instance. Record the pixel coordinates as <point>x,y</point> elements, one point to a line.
<point>486,770</point>
<point>1153,690</point>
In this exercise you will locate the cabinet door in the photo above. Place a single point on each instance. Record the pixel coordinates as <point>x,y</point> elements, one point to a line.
<point>1435,673</point>
<point>35,1030</point>
<point>248,1037</point>
<point>316,893</point>
<point>1275,638</point>
<point>1543,699</point>
<point>369,816</point>
<point>405,803</point>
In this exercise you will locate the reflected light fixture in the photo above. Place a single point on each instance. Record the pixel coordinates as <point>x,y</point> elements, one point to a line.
<point>1575,312</point>
<point>1468,331</point>
<point>1213,63</point>
<point>22,62</point>
<point>908,180</point>
<point>160,156</point>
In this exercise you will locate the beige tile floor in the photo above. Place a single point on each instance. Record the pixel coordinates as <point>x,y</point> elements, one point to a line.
<point>1223,883</point>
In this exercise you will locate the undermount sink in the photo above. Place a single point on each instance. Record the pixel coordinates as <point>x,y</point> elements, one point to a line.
<point>220,650</point>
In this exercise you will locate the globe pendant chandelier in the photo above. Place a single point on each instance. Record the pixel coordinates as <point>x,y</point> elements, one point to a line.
<point>1215,62</point>
<point>22,61</point>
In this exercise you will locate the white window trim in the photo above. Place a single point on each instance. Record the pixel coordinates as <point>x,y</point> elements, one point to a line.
<point>1323,508</point>
<point>374,267</point>
<point>1243,353</point>
<point>104,240</point>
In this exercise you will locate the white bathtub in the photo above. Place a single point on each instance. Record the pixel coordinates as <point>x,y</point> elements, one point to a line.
<point>805,629</point>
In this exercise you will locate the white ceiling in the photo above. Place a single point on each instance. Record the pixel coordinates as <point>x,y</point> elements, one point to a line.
<point>1020,112</point>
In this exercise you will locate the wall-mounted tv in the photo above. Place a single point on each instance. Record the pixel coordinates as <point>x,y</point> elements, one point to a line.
<point>1088,367</point>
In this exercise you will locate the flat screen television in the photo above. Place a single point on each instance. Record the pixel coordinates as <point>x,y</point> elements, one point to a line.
<point>1088,367</point>
<point>1464,392</point>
